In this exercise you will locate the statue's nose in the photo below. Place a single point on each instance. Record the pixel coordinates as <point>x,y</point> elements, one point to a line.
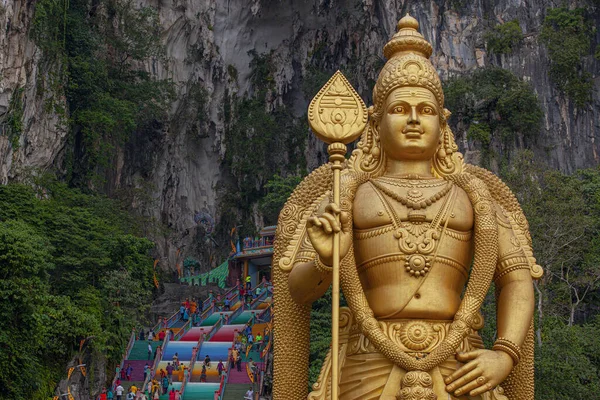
<point>413,117</point>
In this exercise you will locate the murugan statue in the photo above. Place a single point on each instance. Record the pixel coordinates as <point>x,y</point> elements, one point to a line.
<point>422,237</point>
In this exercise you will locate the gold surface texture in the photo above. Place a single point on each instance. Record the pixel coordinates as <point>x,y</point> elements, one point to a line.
<point>422,235</point>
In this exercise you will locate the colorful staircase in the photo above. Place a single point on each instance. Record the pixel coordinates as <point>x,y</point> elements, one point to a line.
<point>235,391</point>
<point>237,377</point>
<point>140,350</point>
<point>215,339</point>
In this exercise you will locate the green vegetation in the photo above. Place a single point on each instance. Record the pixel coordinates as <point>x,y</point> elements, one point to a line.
<point>568,36</point>
<point>564,217</point>
<point>71,267</point>
<point>497,109</point>
<point>109,97</point>
<point>504,38</point>
<point>11,125</point>
<point>279,190</point>
<point>259,143</point>
<point>320,333</point>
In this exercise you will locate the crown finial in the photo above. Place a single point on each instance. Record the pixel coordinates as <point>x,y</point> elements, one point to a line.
<point>408,22</point>
<point>407,39</point>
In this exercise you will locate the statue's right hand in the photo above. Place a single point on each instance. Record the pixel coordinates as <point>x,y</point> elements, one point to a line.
<point>321,229</point>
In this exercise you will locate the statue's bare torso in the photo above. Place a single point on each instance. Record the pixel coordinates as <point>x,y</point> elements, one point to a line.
<point>392,291</point>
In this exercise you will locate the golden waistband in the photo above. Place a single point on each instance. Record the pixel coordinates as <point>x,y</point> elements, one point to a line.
<point>363,234</point>
<point>401,258</point>
<point>412,336</point>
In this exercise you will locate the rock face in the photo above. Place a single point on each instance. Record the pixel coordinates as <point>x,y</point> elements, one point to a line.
<point>207,44</point>
<point>43,135</point>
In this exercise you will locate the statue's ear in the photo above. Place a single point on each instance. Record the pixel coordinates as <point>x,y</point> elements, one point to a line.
<point>447,114</point>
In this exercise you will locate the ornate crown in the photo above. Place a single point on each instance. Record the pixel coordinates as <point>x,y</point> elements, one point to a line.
<point>408,64</point>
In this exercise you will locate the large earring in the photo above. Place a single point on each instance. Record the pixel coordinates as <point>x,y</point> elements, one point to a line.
<point>447,159</point>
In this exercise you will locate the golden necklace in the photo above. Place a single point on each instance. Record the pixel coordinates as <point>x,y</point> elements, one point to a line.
<point>414,199</point>
<point>416,239</point>
<point>412,182</point>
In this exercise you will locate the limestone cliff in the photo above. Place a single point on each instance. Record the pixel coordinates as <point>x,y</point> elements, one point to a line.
<point>180,166</point>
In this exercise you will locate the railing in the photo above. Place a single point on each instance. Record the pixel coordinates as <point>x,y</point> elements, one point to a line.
<point>206,313</point>
<point>264,315</point>
<point>125,356</point>
<point>156,328</point>
<point>250,372</point>
<point>173,319</point>
<point>190,369</point>
<point>215,328</point>
<point>224,379</point>
<point>186,327</point>
<point>263,294</point>
<point>157,358</point>
<point>267,347</point>
<point>265,368</point>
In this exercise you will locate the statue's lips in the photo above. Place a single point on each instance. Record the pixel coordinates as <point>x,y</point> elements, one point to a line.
<point>412,134</point>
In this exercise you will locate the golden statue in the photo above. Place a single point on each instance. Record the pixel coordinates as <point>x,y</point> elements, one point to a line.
<point>422,236</point>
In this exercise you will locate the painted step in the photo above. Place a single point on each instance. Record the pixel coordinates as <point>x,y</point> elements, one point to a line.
<point>140,350</point>
<point>138,369</point>
<point>235,391</point>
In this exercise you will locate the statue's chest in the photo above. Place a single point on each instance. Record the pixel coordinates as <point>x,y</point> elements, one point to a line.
<point>413,226</point>
<point>379,206</point>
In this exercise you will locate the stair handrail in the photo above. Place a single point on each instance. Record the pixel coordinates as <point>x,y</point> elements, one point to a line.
<point>252,322</point>
<point>258,298</point>
<point>215,328</point>
<point>267,346</point>
<point>236,313</point>
<point>195,350</point>
<point>219,393</point>
<point>174,318</point>
<point>155,361</point>
<point>249,371</point>
<point>130,344</point>
<point>186,327</point>
<point>156,328</point>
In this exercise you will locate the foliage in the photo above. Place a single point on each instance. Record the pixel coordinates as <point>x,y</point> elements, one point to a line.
<point>563,214</point>
<point>71,267</point>
<point>568,36</point>
<point>504,38</point>
<point>497,108</point>
<point>279,190</point>
<point>11,124</point>
<point>320,333</point>
<point>567,365</point>
<point>109,96</point>
<point>313,80</point>
<point>259,143</point>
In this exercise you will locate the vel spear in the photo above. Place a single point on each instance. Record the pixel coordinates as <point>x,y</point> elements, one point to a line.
<point>337,115</point>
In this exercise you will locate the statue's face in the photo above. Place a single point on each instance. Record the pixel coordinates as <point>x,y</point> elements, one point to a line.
<point>410,125</point>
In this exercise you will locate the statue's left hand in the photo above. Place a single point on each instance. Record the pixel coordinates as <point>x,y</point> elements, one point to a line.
<point>483,371</point>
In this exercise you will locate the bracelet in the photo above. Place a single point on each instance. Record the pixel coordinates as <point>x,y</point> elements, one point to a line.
<point>321,266</point>
<point>508,347</point>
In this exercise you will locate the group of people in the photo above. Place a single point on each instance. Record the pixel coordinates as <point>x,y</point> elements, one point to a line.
<point>190,308</point>
<point>118,393</point>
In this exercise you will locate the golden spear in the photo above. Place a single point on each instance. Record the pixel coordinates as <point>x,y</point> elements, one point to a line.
<point>337,115</point>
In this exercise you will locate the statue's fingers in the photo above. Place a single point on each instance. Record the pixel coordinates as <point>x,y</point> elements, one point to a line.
<point>481,389</point>
<point>458,373</point>
<point>335,225</point>
<point>475,380</point>
<point>325,224</point>
<point>469,355</point>
<point>333,208</point>
<point>313,221</point>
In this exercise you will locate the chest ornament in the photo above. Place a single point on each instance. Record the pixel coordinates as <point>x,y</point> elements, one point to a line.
<point>416,238</point>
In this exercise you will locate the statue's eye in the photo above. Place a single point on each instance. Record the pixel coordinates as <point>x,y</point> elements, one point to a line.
<point>427,110</point>
<point>399,110</point>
